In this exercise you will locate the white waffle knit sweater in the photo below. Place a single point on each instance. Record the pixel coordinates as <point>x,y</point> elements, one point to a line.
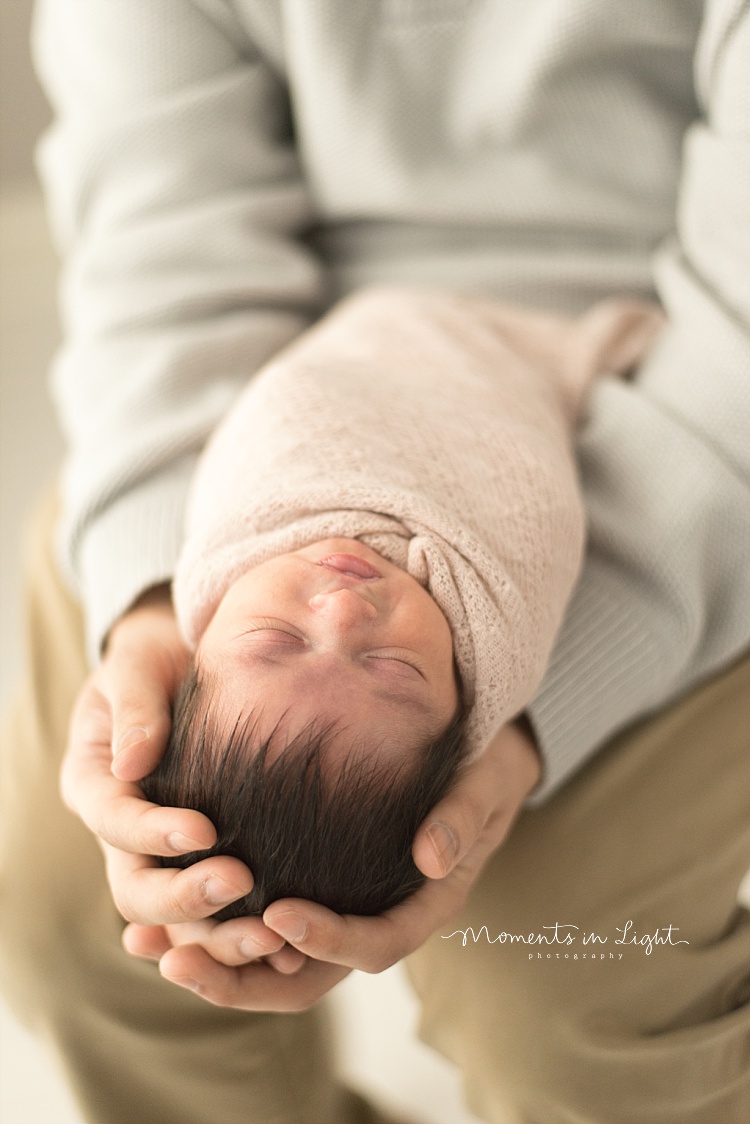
<point>221,171</point>
<point>437,429</point>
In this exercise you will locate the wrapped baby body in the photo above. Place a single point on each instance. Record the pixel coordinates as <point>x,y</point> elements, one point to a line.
<point>437,429</point>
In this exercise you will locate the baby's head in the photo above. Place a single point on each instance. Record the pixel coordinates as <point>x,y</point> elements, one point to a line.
<point>321,723</point>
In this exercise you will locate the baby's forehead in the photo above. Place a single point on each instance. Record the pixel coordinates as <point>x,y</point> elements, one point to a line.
<point>345,725</point>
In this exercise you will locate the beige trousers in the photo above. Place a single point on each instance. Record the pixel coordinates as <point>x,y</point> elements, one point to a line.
<point>613,1022</point>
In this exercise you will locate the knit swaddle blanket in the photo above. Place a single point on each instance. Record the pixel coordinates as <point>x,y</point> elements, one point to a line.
<point>437,429</point>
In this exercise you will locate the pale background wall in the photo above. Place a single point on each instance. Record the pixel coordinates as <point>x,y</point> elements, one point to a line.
<point>377,1012</point>
<point>23,108</point>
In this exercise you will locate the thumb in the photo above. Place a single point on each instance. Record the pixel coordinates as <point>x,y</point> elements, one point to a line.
<point>480,810</point>
<point>143,671</point>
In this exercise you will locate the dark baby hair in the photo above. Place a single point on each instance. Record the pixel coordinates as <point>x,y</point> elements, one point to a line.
<point>338,836</point>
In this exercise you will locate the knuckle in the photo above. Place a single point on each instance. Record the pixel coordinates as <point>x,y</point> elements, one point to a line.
<point>298,1003</point>
<point>94,728</point>
<point>332,947</point>
<point>187,899</point>
<point>128,823</point>
<point>175,907</point>
<point>224,988</point>
<point>218,994</point>
<point>124,905</point>
<point>382,963</point>
<point>142,825</point>
<point>474,815</point>
<point>383,958</point>
<point>99,829</point>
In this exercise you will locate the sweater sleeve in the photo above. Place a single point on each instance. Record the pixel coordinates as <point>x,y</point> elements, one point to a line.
<point>177,201</point>
<point>664,597</point>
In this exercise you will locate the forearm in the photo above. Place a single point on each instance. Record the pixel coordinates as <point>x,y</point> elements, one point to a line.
<point>176,198</point>
<point>664,599</point>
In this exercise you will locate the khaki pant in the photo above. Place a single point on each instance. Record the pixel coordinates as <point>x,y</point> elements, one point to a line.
<point>655,832</point>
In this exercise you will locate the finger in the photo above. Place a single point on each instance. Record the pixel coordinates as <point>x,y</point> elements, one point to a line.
<point>233,943</point>
<point>287,960</point>
<point>138,749</point>
<point>119,814</point>
<point>114,809</point>
<point>141,680</point>
<point>371,944</point>
<point>481,807</point>
<point>455,824</point>
<point>89,739</point>
<point>148,894</point>
<point>252,987</point>
<point>237,942</point>
<point>147,941</point>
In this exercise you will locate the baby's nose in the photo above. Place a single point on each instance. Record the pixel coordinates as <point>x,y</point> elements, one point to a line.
<point>343,608</point>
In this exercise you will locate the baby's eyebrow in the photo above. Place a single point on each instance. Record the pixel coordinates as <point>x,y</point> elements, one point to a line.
<point>410,700</point>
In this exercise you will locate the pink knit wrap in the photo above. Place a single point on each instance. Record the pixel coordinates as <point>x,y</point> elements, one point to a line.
<point>438,429</point>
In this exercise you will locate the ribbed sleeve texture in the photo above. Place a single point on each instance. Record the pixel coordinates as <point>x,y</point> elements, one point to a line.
<point>175,193</point>
<point>220,172</point>
<point>664,598</point>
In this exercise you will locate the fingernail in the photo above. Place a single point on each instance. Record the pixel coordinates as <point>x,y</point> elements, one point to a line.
<point>289,925</point>
<point>252,949</point>
<point>218,892</point>
<point>444,843</point>
<point>184,981</point>
<point>136,735</point>
<point>180,843</point>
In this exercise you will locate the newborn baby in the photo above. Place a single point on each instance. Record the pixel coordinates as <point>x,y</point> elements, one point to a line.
<point>381,540</point>
<point>322,722</point>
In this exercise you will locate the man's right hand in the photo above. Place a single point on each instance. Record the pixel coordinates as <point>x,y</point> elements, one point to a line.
<point>451,848</point>
<point>118,733</point>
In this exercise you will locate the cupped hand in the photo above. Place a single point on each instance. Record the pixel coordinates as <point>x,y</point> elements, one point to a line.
<point>232,943</point>
<point>450,848</point>
<point>118,733</point>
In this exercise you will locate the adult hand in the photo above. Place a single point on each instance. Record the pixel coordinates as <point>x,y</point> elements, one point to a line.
<point>450,848</point>
<point>125,707</point>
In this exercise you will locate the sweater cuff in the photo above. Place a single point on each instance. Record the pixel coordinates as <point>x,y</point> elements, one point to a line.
<point>132,545</point>
<point>602,672</point>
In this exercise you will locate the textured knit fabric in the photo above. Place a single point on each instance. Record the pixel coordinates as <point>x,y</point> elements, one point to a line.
<point>222,170</point>
<point>438,430</point>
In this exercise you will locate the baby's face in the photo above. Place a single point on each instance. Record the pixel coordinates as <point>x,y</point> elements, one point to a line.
<point>333,633</point>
